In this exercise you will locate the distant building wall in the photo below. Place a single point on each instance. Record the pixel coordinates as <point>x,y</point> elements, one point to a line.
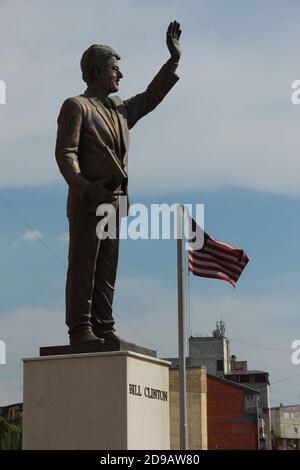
<point>210,352</point>
<point>12,413</point>
<point>264,411</point>
<point>196,408</point>
<point>286,444</point>
<point>257,380</point>
<point>286,427</point>
<point>237,365</point>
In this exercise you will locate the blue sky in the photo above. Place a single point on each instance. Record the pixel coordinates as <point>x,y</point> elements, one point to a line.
<point>225,136</point>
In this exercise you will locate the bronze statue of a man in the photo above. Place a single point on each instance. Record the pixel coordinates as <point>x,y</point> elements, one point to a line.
<point>89,125</point>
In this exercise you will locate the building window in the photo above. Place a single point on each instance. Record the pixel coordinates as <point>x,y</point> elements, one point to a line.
<point>220,365</point>
<point>286,415</point>
<point>233,378</point>
<point>284,442</point>
<point>293,444</point>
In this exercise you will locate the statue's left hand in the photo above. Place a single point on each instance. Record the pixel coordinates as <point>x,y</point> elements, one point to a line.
<point>173,35</point>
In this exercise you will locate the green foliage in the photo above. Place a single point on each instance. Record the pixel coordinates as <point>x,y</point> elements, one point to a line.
<point>10,436</point>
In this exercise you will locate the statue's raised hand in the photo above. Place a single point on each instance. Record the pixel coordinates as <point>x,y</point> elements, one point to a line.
<point>173,35</point>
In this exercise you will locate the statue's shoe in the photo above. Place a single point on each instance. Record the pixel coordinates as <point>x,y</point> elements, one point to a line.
<point>108,337</point>
<point>84,335</point>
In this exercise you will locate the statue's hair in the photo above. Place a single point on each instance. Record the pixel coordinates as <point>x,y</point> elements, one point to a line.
<point>96,55</point>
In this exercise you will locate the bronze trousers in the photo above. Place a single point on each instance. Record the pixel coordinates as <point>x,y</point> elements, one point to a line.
<point>91,275</point>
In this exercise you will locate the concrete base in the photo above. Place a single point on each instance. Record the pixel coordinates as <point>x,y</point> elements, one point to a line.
<point>112,400</point>
<point>89,348</point>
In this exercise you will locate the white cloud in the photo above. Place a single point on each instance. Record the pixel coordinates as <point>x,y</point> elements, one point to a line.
<point>64,237</point>
<point>31,236</point>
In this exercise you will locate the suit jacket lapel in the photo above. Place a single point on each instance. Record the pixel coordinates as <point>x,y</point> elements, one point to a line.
<point>124,140</point>
<point>104,114</point>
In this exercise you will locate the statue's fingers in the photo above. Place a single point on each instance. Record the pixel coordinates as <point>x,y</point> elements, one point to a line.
<point>173,29</point>
<point>179,33</point>
<point>169,29</point>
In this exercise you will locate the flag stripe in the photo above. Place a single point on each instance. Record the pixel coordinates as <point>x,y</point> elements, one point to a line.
<point>215,276</point>
<point>211,266</point>
<point>227,259</point>
<point>200,273</point>
<point>233,256</point>
<point>224,247</point>
<point>231,259</point>
<point>210,259</point>
<point>217,260</point>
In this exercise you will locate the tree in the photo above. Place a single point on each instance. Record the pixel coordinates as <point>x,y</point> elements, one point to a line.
<point>10,436</point>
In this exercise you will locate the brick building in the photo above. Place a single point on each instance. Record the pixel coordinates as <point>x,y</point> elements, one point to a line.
<point>218,414</point>
<point>257,380</point>
<point>230,423</point>
<point>241,397</point>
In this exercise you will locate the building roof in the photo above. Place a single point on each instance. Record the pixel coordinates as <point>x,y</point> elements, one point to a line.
<point>283,407</point>
<point>6,407</point>
<point>246,389</point>
<point>246,372</point>
<point>212,338</point>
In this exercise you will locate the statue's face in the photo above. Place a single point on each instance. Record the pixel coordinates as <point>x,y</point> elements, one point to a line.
<point>109,76</point>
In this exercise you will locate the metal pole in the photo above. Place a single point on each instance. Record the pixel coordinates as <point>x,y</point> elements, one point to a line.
<point>181,328</point>
<point>258,423</point>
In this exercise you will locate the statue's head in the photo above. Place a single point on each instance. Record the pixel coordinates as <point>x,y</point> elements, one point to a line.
<point>99,65</point>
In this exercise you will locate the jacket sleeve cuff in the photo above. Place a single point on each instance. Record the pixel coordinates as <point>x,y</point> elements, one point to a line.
<point>172,65</point>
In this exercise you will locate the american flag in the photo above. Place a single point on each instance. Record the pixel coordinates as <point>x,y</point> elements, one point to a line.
<point>217,260</point>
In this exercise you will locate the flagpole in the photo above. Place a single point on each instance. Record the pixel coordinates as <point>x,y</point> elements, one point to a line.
<point>181,327</point>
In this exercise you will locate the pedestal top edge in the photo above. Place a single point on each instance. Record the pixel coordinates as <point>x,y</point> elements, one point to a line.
<point>136,355</point>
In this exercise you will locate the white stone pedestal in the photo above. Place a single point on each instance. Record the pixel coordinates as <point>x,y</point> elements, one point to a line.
<point>111,400</point>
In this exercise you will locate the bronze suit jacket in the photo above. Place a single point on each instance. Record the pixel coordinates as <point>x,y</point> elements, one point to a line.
<point>85,126</point>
